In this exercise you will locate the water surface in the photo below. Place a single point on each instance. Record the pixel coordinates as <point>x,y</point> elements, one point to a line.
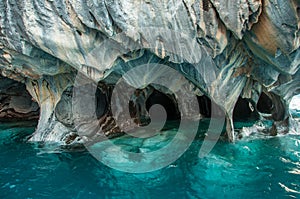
<point>257,166</point>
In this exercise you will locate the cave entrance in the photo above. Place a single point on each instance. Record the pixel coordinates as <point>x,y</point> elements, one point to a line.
<point>264,104</point>
<point>167,101</point>
<point>244,111</point>
<point>16,104</point>
<point>144,99</point>
<point>271,106</point>
<point>205,107</point>
<point>18,111</point>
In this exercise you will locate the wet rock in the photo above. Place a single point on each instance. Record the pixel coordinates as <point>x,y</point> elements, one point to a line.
<point>243,48</point>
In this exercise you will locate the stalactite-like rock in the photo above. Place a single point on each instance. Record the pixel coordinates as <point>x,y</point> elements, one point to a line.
<point>47,91</point>
<point>253,44</point>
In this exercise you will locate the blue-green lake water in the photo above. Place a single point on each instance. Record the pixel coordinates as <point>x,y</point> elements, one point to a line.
<point>254,167</point>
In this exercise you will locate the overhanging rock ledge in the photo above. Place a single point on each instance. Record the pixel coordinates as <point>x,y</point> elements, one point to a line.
<point>254,45</point>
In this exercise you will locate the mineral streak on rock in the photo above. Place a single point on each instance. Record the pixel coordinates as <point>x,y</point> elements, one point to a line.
<point>45,43</point>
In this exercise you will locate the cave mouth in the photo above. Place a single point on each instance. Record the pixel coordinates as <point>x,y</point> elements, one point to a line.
<point>167,101</point>
<point>244,111</point>
<point>205,104</point>
<point>102,103</point>
<point>16,103</point>
<point>205,107</point>
<point>271,106</point>
<point>149,97</point>
<point>264,104</point>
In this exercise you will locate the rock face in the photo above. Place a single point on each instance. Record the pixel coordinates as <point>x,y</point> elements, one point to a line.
<point>254,46</point>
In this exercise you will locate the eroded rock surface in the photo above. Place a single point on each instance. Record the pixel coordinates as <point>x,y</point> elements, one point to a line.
<point>253,44</point>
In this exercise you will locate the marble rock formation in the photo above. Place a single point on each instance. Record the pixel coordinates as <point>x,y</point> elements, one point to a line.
<point>44,44</point>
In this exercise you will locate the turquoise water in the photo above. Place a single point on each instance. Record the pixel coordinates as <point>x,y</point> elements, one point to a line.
<point>254,167</point>
<point>257,166</point>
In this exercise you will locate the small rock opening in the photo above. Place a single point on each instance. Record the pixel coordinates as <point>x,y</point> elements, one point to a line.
<point>102,103</point>
<point>264,104</point>
<point>168,102</point>
<point>146,98</point>
<point>244,110</point>
<point>16,104</point>
<point>206,105</point>
<point>271,106</point>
